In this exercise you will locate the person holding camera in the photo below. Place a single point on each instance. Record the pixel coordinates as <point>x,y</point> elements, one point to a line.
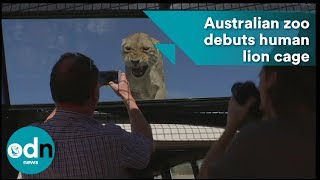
<point>84,147</point>
<point>282,143</point>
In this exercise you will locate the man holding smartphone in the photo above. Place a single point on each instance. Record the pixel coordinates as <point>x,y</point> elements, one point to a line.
<point>84,147</point>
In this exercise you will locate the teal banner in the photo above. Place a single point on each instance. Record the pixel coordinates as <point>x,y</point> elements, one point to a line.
<point>242,38</point>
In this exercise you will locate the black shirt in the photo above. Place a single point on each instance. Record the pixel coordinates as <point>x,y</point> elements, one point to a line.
<point>270,149</point>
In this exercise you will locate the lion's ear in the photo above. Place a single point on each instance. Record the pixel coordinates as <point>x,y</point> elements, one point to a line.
<point>123,42</point>
<point>154,41</point>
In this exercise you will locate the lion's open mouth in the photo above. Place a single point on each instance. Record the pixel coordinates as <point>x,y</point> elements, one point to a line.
<point>139,71</point>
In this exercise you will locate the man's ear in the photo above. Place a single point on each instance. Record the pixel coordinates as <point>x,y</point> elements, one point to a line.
<point>155,41</point>
<point>96,93</point>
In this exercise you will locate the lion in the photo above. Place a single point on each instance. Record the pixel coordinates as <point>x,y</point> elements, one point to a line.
<point>144,67</point>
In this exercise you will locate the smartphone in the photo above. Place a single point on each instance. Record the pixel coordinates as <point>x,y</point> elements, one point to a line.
<point>106,76</point>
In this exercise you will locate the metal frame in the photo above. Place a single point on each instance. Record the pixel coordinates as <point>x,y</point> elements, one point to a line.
<point>75,14</point>
<point>115,11</point>
<point>4,78</point>
<point>211,111</point>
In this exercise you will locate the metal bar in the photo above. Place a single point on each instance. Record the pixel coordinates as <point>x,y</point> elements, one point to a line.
<point>4,76</point>
<point>34,7</point>
<point>164,6</point>
<point>212,104</point>
<point>58,14</point>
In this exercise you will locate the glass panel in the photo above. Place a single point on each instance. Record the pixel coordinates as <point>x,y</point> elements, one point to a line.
<point>33,46</point>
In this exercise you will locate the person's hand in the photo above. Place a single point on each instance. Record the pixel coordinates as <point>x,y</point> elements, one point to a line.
<point>122,89</point>
<point>237,113</point>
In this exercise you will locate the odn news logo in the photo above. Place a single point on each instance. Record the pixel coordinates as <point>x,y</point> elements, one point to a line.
<point>30,150</point>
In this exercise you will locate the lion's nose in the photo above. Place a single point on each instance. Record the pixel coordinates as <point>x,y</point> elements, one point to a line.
<point>135,62</point>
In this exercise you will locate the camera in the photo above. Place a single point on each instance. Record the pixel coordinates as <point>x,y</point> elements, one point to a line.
<point>106,76</point>
<point>242,92</point>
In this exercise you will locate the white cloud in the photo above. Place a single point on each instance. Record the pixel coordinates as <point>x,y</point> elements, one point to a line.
<point>61,41</point>
<point>91,26</point>
<point>79,27</point>
<point>19,27</point>
<point>57,42</point>
<point>98,26</point>
<point>53,37</point>
<point>27,57</point>
<point>17,32</point>
<point>34,62</point>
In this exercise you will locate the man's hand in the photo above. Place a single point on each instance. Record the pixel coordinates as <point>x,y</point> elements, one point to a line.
<point>237,113</point>
<point>122,89</point>
<point>236,116</point>
<point>137,120</point>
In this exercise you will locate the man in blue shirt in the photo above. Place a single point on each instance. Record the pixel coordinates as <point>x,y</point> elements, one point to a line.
<point>84,147</point>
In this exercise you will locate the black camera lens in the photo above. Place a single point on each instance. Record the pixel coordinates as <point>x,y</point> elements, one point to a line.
<point>237,93</point>
<point>242,92</point>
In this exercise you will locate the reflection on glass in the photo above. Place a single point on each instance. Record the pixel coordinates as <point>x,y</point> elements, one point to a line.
<point>33,46</point>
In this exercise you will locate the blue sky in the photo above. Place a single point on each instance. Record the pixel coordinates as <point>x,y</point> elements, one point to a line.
<point>33,46</point>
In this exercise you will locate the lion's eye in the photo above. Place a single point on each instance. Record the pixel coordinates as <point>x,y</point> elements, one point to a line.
<point>128,48</point>
<point>146,48</point>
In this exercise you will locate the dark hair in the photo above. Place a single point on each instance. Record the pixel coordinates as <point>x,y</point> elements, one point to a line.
<point>295,85</point>
<point>73,79</point>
